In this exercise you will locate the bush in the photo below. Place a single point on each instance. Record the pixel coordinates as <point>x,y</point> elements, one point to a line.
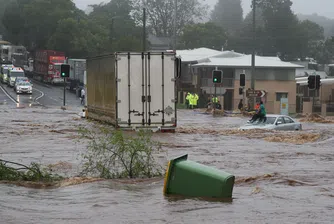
<point>111,154</point>
<point>11,171</point>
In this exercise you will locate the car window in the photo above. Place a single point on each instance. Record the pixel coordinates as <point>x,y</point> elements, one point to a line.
<point>280,120</point>
<point>270,120</point>
<point>288,120</point>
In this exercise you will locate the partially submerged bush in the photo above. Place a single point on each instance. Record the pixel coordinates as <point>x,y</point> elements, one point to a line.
<point>111,154</point>
<point>11,171</point>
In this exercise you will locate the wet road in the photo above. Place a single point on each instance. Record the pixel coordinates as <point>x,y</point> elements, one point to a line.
<point>276,182</point>
<point>42,95</point>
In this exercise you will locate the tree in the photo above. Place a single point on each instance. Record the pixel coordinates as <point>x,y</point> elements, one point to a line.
<point>281,26</point>
<point>228,14</point>
<point>160,14</point>
<point>3,4</point>
<point>203,35</point>
<point>43,20</point>
<point>115,17</point>
<point>77,38</point>
<point>310,34</point>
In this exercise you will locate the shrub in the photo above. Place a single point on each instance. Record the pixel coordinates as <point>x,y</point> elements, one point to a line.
<point>111,154</point>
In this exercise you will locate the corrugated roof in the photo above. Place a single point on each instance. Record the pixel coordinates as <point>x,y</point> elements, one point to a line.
<point>196,54</point>
<point>245,61</point>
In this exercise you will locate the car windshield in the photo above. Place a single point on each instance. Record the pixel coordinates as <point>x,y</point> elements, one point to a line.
<point>24,84</point>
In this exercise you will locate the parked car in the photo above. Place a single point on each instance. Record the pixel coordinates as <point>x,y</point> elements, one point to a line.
<point>274,122</point>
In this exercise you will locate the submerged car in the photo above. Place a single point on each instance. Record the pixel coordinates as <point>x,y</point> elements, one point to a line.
<point>23,87</point>
<point>274,122</point>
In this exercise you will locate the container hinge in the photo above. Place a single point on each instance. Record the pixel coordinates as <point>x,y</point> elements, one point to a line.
<point>119,119</point>
<point>143,99</point>
<point>118,80</point>
<point>174,100</point>
<point>143,122</point>
<point>173,80</point>
<point>119,101</point>
<point>153,114</point>
<point>149,98</point>
<point>118,58</point>
<point>149,121</point>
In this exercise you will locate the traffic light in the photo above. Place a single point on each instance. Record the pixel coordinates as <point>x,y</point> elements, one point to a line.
<point>65,71</point>
<point>241,91</point>
<point>311,82</point>
<point>217,76</point>
<point>242,80</point>
<point>317,82</point>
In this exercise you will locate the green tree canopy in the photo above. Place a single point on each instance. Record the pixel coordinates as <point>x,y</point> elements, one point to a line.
<point>160,14</point>
<point>228,14</point>
<point>203,35</point>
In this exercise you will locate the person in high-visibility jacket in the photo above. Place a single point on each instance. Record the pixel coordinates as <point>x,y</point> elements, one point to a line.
<point>188,100</point>
<point>191,100</point>
<point>195,100</point>
<point>214,99</point>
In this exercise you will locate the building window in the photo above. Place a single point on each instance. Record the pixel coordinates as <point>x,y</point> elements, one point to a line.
<point>281,95</point>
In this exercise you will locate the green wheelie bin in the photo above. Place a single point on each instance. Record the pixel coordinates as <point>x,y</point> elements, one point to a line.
<point>191,179</point>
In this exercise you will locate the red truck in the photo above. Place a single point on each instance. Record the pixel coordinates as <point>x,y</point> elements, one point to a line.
<point>47,65</point>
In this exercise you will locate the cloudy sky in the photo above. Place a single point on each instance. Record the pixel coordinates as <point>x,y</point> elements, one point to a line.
<point>321,7</point>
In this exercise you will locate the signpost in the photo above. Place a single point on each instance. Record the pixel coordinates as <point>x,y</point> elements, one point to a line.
<point>255,93</point>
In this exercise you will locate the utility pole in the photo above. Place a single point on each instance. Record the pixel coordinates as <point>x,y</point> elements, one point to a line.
<point>174,25</point>
<point>253,52</point>
<point>144,25</point>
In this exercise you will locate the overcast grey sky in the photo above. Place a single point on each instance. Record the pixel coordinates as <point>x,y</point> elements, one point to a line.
<point>321,7</point>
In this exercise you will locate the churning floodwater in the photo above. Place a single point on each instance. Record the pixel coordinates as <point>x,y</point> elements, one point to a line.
<point>276,181</point>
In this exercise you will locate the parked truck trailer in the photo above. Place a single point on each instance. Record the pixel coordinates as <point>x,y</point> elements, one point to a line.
<point>77,70</point>
<point>133,90</point>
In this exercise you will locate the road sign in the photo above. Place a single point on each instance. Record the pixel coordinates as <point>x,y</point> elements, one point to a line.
<point>255,93</point>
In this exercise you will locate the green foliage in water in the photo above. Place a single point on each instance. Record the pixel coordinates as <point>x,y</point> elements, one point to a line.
<point>11,171</point>
<point>111,154</point>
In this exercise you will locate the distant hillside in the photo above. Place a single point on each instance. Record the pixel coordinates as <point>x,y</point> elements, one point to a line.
<point>326,23</point>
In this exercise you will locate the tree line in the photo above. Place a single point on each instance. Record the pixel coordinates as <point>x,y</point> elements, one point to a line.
<point>117,26</point>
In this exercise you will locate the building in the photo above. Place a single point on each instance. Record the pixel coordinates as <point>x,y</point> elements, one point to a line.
<point>273,76</point>
<point>314,101</point>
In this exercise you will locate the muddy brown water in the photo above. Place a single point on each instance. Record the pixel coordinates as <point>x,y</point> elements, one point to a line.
<point>276,182</point>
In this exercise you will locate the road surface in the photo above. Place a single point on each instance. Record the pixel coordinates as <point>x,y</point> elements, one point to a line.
<point>42,95</point>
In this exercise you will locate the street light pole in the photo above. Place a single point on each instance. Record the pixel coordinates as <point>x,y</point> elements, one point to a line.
<point>254,48</point>
<point>174,25</point>
<point>144,26</point>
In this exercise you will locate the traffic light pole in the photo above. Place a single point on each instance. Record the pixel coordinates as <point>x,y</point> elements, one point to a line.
<point>64,91</point>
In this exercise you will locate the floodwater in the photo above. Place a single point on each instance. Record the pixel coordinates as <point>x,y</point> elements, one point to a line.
<point>276,182</point>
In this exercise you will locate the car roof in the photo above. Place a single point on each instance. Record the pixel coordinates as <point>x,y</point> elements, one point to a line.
<point>277,115</point>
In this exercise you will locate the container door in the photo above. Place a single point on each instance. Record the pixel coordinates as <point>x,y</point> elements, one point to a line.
<point>130,90</point>
<point>161,89</point>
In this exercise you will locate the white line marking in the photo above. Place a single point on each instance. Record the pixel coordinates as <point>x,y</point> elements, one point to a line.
<point>9,96</point>
<point>42,94</point>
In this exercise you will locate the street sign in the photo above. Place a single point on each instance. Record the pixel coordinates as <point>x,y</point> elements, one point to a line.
<point>255,93</point>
